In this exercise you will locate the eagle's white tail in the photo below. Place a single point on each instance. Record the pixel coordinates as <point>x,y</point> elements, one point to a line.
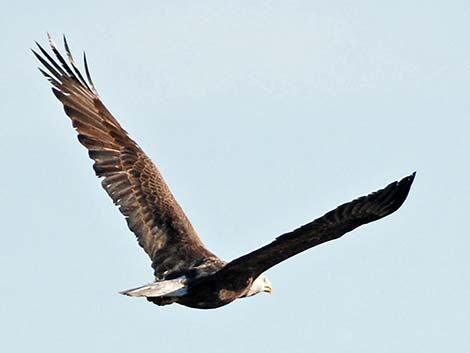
<point>171,288</point>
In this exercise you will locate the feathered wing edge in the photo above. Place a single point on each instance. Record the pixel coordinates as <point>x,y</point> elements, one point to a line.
<point>331,226</point>
<point>129,176</point>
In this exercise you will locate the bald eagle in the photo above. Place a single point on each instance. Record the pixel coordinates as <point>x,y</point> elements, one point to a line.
<point>185,271</point>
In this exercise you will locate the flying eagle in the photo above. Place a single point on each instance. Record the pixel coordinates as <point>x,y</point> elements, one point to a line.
<point>186,272</point>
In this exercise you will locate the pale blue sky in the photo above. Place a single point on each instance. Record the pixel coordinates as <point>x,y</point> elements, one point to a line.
<point>262,116</point>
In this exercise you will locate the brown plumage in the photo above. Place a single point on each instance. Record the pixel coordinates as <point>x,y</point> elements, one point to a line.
<point>185,271</point>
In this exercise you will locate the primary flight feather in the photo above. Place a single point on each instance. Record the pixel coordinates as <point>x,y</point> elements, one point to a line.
<point>186,272</point>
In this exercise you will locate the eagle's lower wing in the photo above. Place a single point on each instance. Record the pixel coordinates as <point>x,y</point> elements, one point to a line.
<point>331,226</point>
<point>129,176</point>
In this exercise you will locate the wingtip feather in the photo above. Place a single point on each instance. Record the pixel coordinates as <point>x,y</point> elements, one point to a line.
<point>399,192</point>
<point>51,41</point>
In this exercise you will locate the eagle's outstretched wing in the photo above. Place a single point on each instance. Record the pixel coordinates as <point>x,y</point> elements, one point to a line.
<point>331,226</point>
<point>129,176</point>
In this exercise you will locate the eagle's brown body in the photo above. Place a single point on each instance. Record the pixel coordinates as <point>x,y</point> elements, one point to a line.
<point>186,272</point>
<point>208,294</point>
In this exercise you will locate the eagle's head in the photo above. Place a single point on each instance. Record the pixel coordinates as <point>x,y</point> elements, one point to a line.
<point>261,284</point>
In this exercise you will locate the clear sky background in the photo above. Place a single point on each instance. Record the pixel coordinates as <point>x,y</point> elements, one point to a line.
<point>262,116</point>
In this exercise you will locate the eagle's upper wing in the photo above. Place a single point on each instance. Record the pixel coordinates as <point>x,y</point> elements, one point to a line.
<point>129,176</point>
<point>331,226</point>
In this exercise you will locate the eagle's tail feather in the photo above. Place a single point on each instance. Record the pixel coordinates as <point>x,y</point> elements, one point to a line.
<point>172,288</point>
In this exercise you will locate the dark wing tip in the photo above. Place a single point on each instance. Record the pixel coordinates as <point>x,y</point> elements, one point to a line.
<point>394,195</point>
<point>61,70</point>
<point>87,72</point>
<point>403,188</point>
<point>372,207</point>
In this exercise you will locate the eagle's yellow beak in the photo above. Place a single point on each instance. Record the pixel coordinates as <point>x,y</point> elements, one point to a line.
<point>268,288</point>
